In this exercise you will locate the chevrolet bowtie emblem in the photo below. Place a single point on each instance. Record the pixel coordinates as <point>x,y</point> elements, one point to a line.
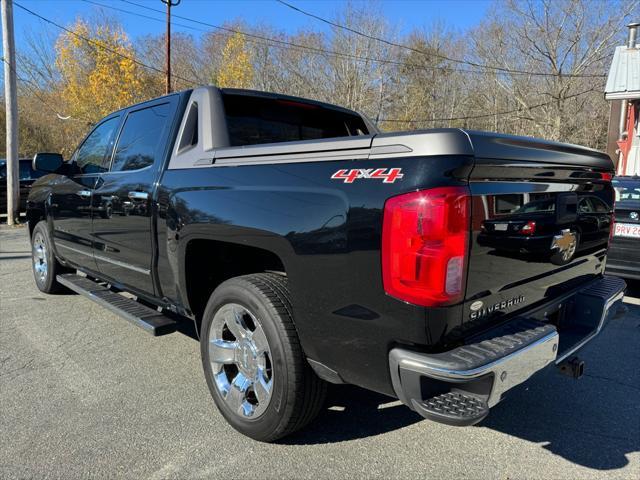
<point>564,241</point>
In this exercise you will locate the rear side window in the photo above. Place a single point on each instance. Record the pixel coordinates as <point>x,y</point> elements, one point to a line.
<point>141,138</point>
<point>585,206</point>
<point>507,203</point>
<point>93,154</point>
<point>254,120</point>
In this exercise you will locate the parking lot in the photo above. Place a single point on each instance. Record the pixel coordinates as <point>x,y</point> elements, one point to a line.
<point>84,394</point>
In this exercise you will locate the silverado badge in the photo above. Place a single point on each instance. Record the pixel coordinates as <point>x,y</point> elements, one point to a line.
<point>477,310</point>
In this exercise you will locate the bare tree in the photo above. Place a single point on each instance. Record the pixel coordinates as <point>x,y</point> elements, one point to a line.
<point>569,41</point>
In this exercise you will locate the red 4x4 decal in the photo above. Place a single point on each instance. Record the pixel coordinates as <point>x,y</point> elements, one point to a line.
<point>389,175</point>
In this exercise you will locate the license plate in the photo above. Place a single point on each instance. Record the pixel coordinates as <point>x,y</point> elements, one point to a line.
<point>627,230</point>
<point>500,227</point>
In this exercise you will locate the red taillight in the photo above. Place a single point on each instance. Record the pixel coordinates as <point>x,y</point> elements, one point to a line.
<point>425,240</point>
<point>529,228</point>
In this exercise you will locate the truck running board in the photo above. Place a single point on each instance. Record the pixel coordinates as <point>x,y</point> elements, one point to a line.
<point>144,317</point>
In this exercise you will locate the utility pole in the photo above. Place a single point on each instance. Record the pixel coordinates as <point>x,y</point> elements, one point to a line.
<point>11,103</point>
<point>169,3</point>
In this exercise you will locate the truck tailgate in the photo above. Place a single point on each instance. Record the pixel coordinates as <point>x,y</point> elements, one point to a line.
<point>541,215</point>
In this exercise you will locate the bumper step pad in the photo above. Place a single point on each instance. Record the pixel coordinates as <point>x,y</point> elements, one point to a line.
<point>453,408</point>
<point>144,317</point>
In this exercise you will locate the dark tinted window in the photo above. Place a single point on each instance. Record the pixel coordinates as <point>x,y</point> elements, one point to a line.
<point>507,203</point>
<point>598,205</point>
<point>93,154</point>
<point>627,193</point>
<point>27,172</point>
<point>539,206</point>
<point>254,120</point>
<point>140,138</point>
<point>585,206</point>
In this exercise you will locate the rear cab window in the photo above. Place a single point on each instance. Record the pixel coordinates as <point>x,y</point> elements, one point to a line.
<point>627,193</point>
<point>253,120</point>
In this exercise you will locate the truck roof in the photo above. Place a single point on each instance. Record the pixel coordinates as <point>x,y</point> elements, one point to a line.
<point>375,144</point>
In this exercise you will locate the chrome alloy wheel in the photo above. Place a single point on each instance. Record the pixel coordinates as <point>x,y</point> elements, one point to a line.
<point>240,360</point>
<point>39,254</point>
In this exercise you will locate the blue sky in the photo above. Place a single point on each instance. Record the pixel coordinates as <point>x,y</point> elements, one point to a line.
<point>405,14</point>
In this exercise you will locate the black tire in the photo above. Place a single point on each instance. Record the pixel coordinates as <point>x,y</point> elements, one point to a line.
<point>297,393</point>
<point>46,282</point>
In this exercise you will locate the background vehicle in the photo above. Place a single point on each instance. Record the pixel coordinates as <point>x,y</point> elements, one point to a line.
<point>624,254</point>
<point>27,176</point>
<point>308,247</point>
<point>555,228</point>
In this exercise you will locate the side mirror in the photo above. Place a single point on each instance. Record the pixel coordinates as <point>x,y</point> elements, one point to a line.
<point>47,162</point>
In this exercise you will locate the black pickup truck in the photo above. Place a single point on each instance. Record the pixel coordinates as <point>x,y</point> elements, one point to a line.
<point>308,247</point>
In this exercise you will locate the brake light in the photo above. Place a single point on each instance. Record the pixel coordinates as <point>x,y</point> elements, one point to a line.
<point>529,228</point>
<point>425,241</point>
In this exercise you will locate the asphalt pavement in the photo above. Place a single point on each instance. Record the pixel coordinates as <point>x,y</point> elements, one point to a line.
<point>85,394</point>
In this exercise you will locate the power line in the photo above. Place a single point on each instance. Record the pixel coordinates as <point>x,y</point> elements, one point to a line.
<point>98,44</point>
<point>485,115</point>
<point>142,15</point>
<point>437,55</point>
<point>277,43</point>
<point>33,88</point>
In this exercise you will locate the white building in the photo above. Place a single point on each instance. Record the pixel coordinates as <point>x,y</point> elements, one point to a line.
<point>623,89</point>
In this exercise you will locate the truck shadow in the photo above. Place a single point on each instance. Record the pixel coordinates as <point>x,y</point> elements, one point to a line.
<point>351,413</point>
<point>535,412</point>
<point>596,426</point>
<point>593,422</point>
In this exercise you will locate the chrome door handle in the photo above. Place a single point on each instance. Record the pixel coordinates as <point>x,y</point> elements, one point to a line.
<point>84,193</point>
<point>138,195</point>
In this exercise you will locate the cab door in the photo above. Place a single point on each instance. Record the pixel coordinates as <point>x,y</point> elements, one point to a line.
<point>124,196</point>
<point>72,195</point>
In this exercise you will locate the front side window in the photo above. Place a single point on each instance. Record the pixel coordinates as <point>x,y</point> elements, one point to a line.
<point>94,153</point>
<point>140,138</point>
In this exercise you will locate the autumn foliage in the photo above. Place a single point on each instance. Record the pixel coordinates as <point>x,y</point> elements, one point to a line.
<point>99,76</point>
<point>552,58</point>
<point>236,70</point>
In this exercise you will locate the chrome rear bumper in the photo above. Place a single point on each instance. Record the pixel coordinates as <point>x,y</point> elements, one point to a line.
<point>490,366</point>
